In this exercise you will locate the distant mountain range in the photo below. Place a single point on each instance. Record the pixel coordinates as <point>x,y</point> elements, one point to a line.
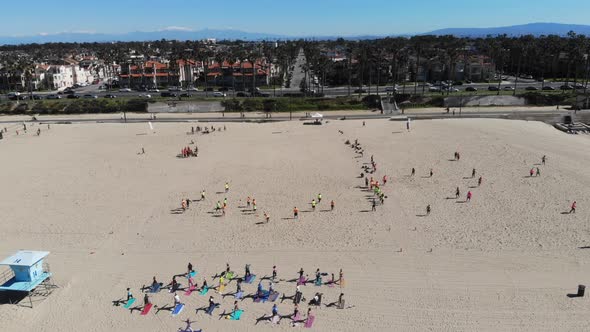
<point>535,29</point>
<point>230,34</point>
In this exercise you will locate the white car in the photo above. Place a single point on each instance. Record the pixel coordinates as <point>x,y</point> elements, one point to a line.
<point>434,89</point>
<point>218,94</point>
<point>154,90</point>
<point>390,89</point>
<point>192,89</point>
<point>508,88</point>
<point>53,97</point>
<point>146,96</point>
<point>125,90</point>
<point>90,96</point>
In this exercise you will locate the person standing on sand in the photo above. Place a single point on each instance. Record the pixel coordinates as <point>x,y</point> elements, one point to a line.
<point>189,268</point>
<point>473,173</point>
<point>538,172</point>
<point>226,187</point>
<point>254,202</point>
<point>573,209</point>
<point>248,202</point>
<point>531,172</point>
<point>367,182</point>
<point>373,206</point>
<point>313,204</point>
<point>428,209</point>
<point>384,179</point>
<point>457,193</point>
<point>319,198</point>
<point>146,299</point>
<point>543,160</point>
<point>479,181</point>
<point>363,124</point>
<point>469,196</point>
<point>203,195</point>
<point>332,205</point>
<point>413,171</point>
<point>266,217</point>
<point>431,172</point>
<point>295,213</point>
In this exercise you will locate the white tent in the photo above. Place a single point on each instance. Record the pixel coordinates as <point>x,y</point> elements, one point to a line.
<point>317,116</point>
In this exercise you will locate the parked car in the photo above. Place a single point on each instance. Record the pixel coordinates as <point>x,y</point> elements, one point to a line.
<point>125,90</point>
<point>16,96</point>
<point>566,87</point>
<point>579,86</point>
<point>36,97</point>
<point>145,95</point>
<point>185,95</point>
<point>508,88</point>
<point>434,89</point>
<point>89,96</point>
<point>266,94</point>
<point>53,97</point>
<point>154,90</point>
<point>168,94</point>
<point>110,96</point>
<point>68,92</point>
<point>174,88</point>
<point>192,88</point>
<point>209,89</point>
<point>390,89</point>
<point>548,88</point>
<point>493,88</point>
<point>470,88</point>
<point>242,94</point>
<point>360,90</point>
<point>218,94</point>
<point>73,97</point>
<point>531,88</point>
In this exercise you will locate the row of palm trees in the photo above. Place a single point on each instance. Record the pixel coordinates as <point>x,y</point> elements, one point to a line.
<point>408,60</point>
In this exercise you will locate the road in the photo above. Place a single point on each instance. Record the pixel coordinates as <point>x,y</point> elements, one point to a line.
<point>299,76</point>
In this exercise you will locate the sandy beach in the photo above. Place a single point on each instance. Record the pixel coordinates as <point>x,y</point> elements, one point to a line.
<point>504,261</point>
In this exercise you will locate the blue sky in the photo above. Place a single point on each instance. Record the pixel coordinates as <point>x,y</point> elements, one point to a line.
<point>289,17</point>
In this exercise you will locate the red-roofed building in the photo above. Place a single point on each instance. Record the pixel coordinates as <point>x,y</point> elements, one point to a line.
<point>239,74</point>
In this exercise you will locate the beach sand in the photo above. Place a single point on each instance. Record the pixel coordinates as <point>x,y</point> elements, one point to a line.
<point>504,261</point>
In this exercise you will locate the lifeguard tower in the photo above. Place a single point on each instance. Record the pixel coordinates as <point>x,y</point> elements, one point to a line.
<point>28,276</point>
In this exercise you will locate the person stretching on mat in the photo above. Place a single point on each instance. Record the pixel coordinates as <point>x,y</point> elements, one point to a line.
<point>188,327</point>
<point>129,295</point>
<point>204,284</point>
<point>211,305</point>
<point>318,276</point>
<point>173,285</point>
<point>176,299</point>
<point>259,289</point>
<point>275,311</point>
<point>274,272</point>
<point>239,285</point>
<point>247,271</point>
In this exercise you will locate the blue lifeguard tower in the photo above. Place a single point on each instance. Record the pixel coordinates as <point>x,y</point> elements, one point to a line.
<point>28,271</point>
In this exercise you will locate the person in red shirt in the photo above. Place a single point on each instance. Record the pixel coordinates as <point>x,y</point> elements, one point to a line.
<point>573,209</point>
